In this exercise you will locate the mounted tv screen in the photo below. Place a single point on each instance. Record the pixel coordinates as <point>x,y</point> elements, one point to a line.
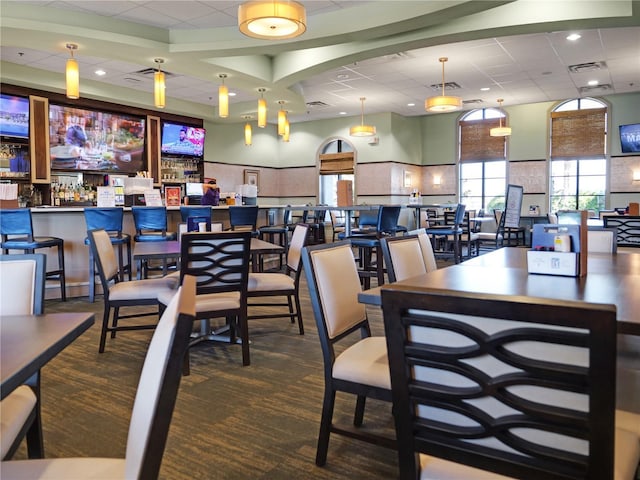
<point>630,138</point>
<point>14,116</point>
<point>182,140</point>
<point>96,141</point>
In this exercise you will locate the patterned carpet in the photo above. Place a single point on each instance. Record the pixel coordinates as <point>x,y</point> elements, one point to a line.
<point>230,421</point>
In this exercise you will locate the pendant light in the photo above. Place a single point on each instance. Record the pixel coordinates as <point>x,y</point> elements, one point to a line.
<point>248,133</point>
<point>72,74</point>
<point>158,85</point>
<point>223,98</point>
<point>286,131</point>
<point>262,109</point>
<point>443,103</point>
<point>362,130</point>
<point>500,131</point>
<point>282,118</point>
<point>272,19</point>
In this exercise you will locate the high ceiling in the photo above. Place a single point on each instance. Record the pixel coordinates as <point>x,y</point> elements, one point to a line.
<point>386,51</point>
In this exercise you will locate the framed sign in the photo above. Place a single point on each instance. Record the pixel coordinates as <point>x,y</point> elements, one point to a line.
<point>251,177</point>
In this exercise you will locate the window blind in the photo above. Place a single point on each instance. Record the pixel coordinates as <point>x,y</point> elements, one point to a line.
<point>476,143</point>
<point>578,133</point>
<point>336,163</point>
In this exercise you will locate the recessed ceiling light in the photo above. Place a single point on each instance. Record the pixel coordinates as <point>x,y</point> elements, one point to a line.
<point>592,82</point>
<point>343,113</point>
<point>342,76</point>
<point>100,72</point>
<point>485,89</point>
<point>573,37</point>
<point>232,94</point>
<point>411,104</point>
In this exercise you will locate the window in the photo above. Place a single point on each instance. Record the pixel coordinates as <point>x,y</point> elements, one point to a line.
<point>578,173</point>
<point>336,163</point>
<point>483,166</point>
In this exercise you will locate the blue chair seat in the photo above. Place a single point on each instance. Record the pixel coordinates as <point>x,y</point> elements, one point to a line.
<point>16,231</point>
<point>151,226</point>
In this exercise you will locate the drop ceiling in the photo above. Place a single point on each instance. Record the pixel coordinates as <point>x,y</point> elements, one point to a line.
<point>352,49</point>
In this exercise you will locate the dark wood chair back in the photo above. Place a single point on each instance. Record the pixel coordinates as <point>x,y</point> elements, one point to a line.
<point>521,387</point>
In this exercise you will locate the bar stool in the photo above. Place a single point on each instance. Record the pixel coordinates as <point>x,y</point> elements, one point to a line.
<point>18,221</point>
<point>151,226</point>
<point>110,220</point>
<point>279,233</point>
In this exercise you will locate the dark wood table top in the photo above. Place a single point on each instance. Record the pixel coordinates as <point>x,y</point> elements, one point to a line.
<point>611,279</point>
<point>28,342</point>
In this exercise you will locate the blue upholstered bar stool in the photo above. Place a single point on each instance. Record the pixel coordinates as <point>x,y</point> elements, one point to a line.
<point>109,219</point>
<point>16,231</point>
<point>151,226</point>
<point>187,211</point>
<point>243,218</point>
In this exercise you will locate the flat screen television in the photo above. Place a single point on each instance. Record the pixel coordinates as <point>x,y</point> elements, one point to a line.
<point>184,140</point>
<point>630,138</point>
<point>95,141</point>
<point>14,116</point>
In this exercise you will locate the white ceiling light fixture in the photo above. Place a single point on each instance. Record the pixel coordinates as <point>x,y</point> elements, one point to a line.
<point>443,103</point>
<point>282,118</point>
<point>500,131</point>
<point>248,133</point>
<point>159,85</point>
<point>573,37</point>
<point>362,130</point>
<point>262,109</point>
<point>72,74</point>
<point>223,98</point>
<point>272,19</point>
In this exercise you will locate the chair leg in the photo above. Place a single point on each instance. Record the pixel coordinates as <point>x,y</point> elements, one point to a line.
<point>92,277</point>
<point>325,425</point>
<point>299,315</point>
<point>63,283</point>
<point>103,332</point>
<point>35,439</point>
<point>129,262</point>
<point>379,266</point>
<point>359,413</point>
<point>243,325</point>
<point>114,322</point>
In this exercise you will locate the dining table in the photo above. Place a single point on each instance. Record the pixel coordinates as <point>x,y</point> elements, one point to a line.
<point>347,209</point>
<point>610,279</point>
<point>170,250</point>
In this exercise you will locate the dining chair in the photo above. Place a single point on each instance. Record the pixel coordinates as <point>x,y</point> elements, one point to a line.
<point>490,234</point>
<point>511,234</point>
<point>220,263</point>
<point>22,277</point>
<point>368,243</point>
<point>109,219</point>
<point>244,218</point>
<point>448,236</point>
<point>602,240</point>
<point>357,367</point>
<point>281,284</point>
<point>119,294</point>
<point>187,211</point>
<point>628,229</point>
<point>489,385</point>
<point>407,256</point>
<point>152,408</point>
<point>151,226</point>
<point>337,227</point>
<point>279,233</point>
<point>16,233</point>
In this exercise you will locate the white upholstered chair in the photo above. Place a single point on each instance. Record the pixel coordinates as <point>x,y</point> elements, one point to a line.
<point>278,284</point>
<point>502,385</point>
<point>22,281</point>
<point>361,368</point>
<point>152,409</point>
<point>602,240</point>
<point>408,256</point>
<point>119,294</point>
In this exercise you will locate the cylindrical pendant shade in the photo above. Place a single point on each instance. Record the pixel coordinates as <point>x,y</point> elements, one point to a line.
<point>286,131</point>
<point>262,113</point>
<point>73,79</point>
<point>282,119</point>
<point>223,101</point>
<point>247,134</point>
<point>158,89</point>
